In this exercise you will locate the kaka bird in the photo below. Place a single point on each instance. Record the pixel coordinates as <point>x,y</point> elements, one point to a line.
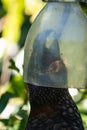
<point>50,65</point>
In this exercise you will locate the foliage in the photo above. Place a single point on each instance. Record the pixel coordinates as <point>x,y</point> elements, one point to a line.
<point>15,21</point>
<point>13,66</point>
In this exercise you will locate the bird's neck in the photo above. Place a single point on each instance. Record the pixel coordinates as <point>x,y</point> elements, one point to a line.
<point>55,104</point>
<point>45,99</point>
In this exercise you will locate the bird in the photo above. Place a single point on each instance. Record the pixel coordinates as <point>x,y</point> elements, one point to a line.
<point>52,109</point>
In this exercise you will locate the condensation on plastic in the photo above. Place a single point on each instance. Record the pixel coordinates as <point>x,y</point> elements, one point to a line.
<point>55,52</point>
<point>84,1</point>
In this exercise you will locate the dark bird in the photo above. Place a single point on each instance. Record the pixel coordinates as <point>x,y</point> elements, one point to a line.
<point>52,109</point>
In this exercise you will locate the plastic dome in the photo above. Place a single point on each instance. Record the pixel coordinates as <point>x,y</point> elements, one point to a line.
<point>55,52</point>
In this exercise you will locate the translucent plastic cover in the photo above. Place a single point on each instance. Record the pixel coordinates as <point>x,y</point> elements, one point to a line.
<point>56,47</point>
<point>84,1</point>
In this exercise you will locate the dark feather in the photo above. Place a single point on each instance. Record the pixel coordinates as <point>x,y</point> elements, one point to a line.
<point>52,109</point>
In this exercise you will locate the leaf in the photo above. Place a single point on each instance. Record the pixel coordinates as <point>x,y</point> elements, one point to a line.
<point>18,87</point>
<point>24,115</point>
<point>4,100</point>
<point>13,66</point>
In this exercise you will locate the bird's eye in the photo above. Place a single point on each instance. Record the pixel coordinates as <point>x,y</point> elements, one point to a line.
<point>84,8</point>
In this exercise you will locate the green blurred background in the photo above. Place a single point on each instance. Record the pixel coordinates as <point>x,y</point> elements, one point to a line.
<point>16,17</point>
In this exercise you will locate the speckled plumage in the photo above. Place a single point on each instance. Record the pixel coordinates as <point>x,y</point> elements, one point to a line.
<point>52,109</point>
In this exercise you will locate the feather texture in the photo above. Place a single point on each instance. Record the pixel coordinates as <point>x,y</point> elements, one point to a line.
<point>52,109</point>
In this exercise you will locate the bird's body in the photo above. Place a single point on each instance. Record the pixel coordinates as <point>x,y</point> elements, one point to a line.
<point>52,109</point>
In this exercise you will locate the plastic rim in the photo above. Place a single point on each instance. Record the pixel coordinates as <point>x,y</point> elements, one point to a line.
<point>83,1</point>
